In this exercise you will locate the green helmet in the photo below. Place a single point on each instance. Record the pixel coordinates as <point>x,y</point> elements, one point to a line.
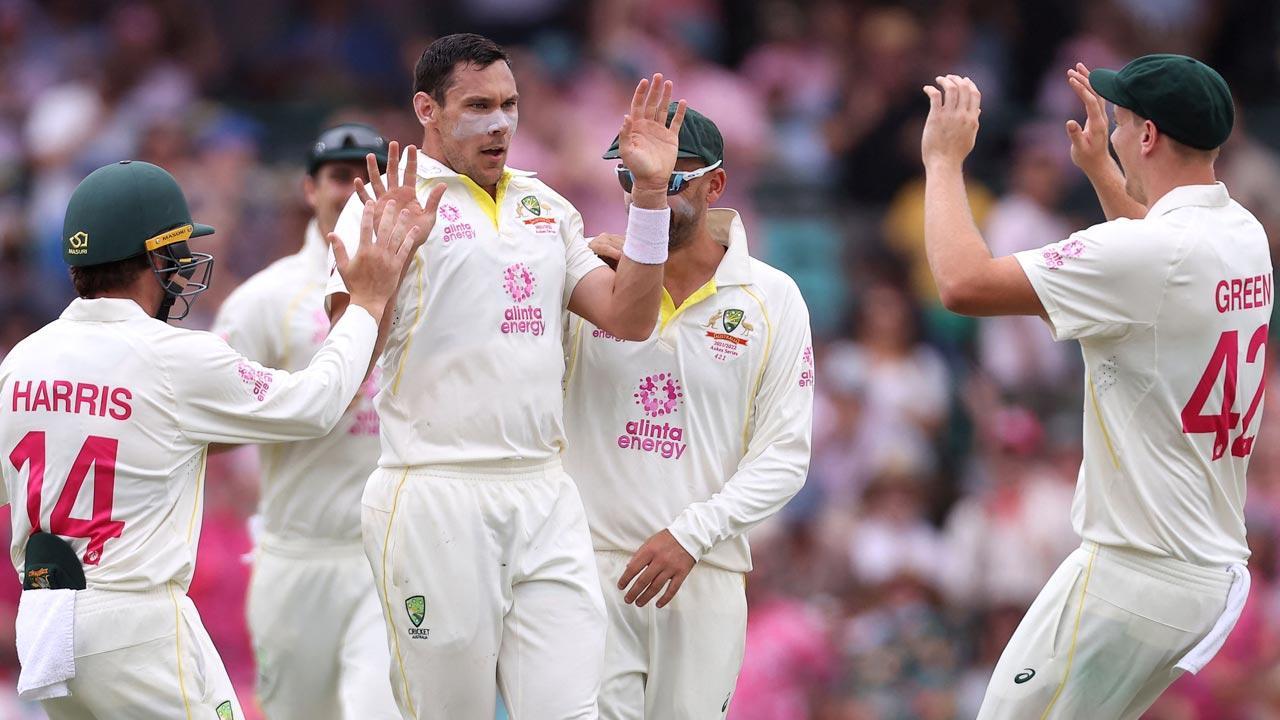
<point>125,209</point>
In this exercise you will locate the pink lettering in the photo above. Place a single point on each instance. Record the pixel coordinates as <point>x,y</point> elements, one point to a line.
<point>1242,293</point>
<point>61,395</point>
<point>23,394</point>
<point>86,394</point>
<point>120,398</point>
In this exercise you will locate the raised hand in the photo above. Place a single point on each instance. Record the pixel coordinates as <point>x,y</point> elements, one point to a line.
<point>1089,143</point>
<point>951,129</point>
<point>646,143</point>
<point>389,237</point>
<point>400,189</point>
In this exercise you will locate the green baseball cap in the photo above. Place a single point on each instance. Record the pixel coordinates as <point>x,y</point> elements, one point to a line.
<point>699,138</point>
<point>1186,99</point>
<point>123,210</point>
<point>349,141</point>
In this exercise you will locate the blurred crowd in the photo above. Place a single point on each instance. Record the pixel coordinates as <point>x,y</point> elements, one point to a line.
<point>945,449</point>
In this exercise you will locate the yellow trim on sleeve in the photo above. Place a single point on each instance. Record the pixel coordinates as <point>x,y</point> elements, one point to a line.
<point>488,203</point>
<point>764,364</point>
<point>196,502</point>
<point>1075,632</point>
<point>386,599</point>
<point>177,639</point>
<point>1106,436</point>
<point>287,324</point>
<point>419,313</point>
<point>668,311</point>
<point>575,346</point>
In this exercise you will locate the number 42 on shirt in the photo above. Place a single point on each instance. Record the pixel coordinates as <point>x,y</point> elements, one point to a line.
<point>1226,360</point>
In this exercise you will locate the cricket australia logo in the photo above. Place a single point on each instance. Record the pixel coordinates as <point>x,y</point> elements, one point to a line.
<point>658,395</point>
<point>519,283</point>
<point>530,212</point>
<point>727,332</point>
<point>416,607</point>
<point>225,711</point>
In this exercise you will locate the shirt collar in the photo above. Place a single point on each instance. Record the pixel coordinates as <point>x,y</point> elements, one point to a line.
<point>726,227</point>
<point>431,169</point>
<point>1214,195</point>
<point>103,310</point>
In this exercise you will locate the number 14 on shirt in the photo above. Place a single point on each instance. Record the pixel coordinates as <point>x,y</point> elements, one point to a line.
<point>1226,361</point>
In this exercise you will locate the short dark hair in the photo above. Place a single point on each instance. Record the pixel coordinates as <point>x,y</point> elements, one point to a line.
<point>93,281</point>
<point>434,72</point>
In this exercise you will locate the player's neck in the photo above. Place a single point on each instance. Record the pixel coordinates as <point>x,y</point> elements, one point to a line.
<point>435,152</point>
<point>691,266</point>
<point>1167,179</point>
<point>141,291</point>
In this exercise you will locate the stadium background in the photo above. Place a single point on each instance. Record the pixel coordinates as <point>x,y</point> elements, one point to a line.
<point>945,449</point>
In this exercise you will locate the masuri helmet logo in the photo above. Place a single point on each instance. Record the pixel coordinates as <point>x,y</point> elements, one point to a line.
<point>78,244</point>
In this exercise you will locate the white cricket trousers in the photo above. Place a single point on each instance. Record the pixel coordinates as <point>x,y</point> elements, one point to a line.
<point>487,582</point>
<point>679,662</point>
<point>143,656</point>
<point>1102,639</point>
<point>316,624</point>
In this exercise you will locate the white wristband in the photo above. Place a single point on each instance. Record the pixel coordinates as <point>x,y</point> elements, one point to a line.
<point>647,231</point>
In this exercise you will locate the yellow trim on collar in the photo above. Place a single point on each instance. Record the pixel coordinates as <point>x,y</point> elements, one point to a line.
<point>170,237</point>
<point>488,203</point>
<point>668,311</point>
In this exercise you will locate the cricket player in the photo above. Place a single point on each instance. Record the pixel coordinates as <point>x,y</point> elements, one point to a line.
<point>105,419</point>
<point>476,535</point>
<point>1170,300</point>
<point>683,442</point>
<point>313,613</point>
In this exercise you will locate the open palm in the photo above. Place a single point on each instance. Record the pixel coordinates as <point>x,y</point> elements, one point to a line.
<point>647,145</point>
<point>401,189</point>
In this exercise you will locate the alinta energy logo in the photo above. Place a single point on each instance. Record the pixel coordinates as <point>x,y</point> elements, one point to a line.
<point>519,282</point>
<point>658,395</point>
<point>808,373</point>
<point>454,230</point>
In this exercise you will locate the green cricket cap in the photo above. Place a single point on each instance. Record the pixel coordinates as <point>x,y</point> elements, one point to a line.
<point>349,141</point>
<point>1186,99</point>
<point>123,210</point>
<point>699,138</point>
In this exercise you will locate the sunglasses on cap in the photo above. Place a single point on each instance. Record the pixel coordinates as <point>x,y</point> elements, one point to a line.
<point>348,136</point>
<point>675,184</point>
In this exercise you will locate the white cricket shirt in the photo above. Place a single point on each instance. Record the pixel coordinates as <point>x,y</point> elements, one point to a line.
<point>105,415</point>
<point>1171,312</point>
<point>473,366</point>
<point>703,429</point>
<point>310,489</point>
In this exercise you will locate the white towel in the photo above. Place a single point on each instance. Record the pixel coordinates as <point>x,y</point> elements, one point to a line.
<point>1200,655</point>
<point>46,643</point>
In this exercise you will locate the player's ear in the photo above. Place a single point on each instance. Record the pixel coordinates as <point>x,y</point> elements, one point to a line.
<point>424,106</point>
<point>719,180</point>
<point>309,190</point>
